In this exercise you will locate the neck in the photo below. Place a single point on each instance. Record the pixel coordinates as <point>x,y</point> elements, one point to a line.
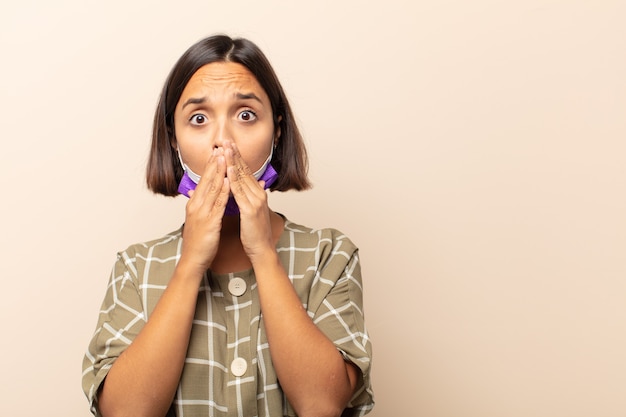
<point>230,255</point>
<point>231,225</point>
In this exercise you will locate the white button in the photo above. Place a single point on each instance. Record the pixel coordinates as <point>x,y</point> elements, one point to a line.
<point>239,366</point>
<point>237,287</point>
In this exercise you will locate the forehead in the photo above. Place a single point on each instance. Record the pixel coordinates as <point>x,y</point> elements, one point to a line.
<point>222,77</point>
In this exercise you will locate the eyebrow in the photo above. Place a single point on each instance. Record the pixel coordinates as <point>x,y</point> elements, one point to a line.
<point>239,96</point>
<point>193,100</point>
<point>248,96</point>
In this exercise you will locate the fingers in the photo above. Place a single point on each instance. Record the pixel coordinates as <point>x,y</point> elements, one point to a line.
<point>212,190</point>
<point>248,192</point>
<point>204,213</point>
<point>240,165</point>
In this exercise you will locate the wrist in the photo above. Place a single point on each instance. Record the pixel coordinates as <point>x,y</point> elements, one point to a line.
<point>266,260</point>
<point>189,270</point>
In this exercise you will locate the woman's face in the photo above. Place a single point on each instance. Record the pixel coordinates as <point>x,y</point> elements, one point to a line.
<point>223,101</point>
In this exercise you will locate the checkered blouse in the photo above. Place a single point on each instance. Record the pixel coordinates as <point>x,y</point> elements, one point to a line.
<point>228,370</point>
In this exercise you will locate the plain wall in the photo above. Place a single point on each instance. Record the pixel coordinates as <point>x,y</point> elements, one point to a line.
<point>474,150</point>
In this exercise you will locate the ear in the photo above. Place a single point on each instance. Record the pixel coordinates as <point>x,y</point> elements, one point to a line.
<point>173,143</point>
<point>277,131</point>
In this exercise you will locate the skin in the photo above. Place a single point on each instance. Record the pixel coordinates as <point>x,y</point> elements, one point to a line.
<point>224,128</point>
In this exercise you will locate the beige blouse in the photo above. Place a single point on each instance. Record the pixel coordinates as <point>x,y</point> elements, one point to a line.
<point>228,370</point>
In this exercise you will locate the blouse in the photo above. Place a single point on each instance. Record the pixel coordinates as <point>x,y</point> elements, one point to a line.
<point>228,370</point>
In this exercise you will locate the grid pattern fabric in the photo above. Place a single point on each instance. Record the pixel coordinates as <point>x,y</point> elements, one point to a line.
<point>323,266</point>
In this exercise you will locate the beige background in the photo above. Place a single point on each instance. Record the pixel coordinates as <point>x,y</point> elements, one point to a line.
<point>474,150</point>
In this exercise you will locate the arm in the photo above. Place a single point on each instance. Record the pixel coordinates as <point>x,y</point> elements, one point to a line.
<point>297,345</point>
<point>138,384</point>
<point>313,374</point>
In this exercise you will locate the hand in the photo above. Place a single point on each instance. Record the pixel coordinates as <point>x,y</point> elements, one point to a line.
<point>203,215</point>
<point>256,231</point>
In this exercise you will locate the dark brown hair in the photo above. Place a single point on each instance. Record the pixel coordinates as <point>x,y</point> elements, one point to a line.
<point>164,171</point>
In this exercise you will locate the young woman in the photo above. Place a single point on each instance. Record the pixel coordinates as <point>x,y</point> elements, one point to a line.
<point>240,312</point>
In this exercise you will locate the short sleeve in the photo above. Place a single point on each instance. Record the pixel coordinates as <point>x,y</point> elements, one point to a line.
<point>120,319</point>
<point>340,316</point>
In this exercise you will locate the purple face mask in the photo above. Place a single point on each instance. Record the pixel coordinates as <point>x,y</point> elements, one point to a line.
<point>190,180</point>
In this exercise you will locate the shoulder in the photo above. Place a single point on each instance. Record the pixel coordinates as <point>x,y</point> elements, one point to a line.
<point>326,238</point>
<point>162,249</point>
<point>313,249</point>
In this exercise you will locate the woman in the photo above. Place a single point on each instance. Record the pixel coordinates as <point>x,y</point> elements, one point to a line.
<point>240,311</point>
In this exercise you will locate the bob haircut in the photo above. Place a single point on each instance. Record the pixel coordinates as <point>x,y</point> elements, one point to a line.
<point>290,161</point>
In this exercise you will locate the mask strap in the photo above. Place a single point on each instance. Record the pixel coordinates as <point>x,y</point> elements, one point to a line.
<point>259,172</point>
<point>194,177</point>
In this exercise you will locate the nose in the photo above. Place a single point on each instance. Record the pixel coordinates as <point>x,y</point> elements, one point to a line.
<point>223,134</point>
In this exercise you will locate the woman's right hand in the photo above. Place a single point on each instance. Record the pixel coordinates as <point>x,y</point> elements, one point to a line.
<point>136,383</point>
<point>203,215</point>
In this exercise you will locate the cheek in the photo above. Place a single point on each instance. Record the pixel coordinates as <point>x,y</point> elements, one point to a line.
<point>195,152</point>
<point>255,150</point>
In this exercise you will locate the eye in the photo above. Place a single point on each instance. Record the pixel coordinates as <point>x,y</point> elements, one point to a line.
<point>198,119</point>
<point>247,116</point>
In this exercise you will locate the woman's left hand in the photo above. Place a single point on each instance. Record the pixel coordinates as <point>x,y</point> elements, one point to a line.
<point>256,230</point>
